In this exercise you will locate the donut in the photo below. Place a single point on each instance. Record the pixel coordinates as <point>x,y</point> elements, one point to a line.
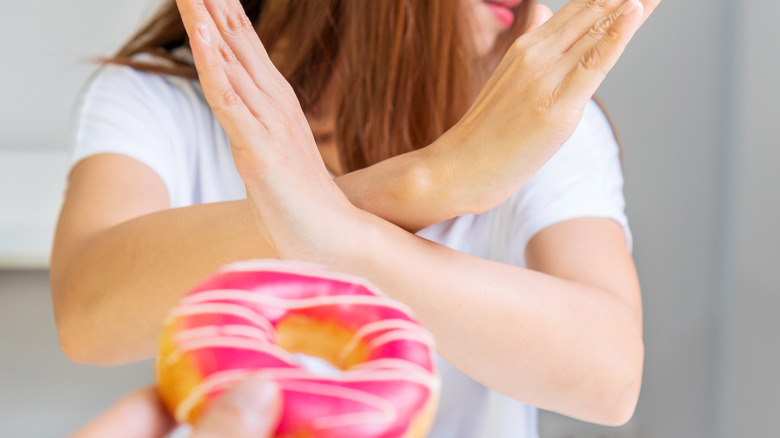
<point>349,360</point>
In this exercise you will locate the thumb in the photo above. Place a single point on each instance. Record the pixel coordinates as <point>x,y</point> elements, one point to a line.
<point>251,409</point>
<point>540,15</point>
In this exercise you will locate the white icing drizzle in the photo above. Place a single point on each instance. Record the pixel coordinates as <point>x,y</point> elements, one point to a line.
<point>261,337</point>
<point>385,408</point>
<point>186,309</point>
<point>298,380</point>
<point>229,342</point>
<point>392,363</point>
<point>301,303</point>
<point>396,336</point>
<point>299,268</point>
<point>423,378</point>
<point>229,330</point>
<point>215,382</point>
<point>387,324</point>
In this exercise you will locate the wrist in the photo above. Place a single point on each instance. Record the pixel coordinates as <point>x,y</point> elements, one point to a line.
<point>359,239</point>
<point>408,190</point>
<point>444,179</point>
<point>432,185</point>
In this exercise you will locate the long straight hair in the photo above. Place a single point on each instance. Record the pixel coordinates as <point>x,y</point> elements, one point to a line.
<point>404,71</point>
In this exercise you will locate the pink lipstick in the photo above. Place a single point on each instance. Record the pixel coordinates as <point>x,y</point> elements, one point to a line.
<point>503,11</point>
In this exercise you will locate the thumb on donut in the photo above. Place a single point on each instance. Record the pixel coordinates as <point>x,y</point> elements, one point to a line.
<point>252,409</point>
<point>540,15</point>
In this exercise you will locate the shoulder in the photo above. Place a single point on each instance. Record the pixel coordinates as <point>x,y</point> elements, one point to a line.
<point>583,179</point>
<point>125,106</point>
<point>157,119</point>
<point>121,81</point>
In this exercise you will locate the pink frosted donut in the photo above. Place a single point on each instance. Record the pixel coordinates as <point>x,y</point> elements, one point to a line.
<point>350,361</point>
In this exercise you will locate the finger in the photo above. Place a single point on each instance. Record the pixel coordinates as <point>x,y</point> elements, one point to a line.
<point>238,32</point>
<point>257,99</point>
<point>573,7</point>
<point>540,15</point>
<point>194,14</point>
<point>251,409</point>
<point>594,55</point>
<point>648,6</point>
<point>581,23</point>
<point>138,415</point>
<point>562,16</point>
<point>241,126</point>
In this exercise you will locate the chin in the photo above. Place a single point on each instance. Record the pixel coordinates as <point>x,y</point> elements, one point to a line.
<point>485,27</point>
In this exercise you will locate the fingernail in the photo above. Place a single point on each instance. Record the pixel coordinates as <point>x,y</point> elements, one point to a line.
<point>203,30</point>
<point>631,7</point>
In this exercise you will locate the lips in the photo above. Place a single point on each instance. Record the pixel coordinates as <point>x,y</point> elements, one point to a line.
<point>506,3</point>
<point>502,10</point>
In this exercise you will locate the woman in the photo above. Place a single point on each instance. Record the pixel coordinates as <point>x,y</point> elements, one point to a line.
<point>521,268</point>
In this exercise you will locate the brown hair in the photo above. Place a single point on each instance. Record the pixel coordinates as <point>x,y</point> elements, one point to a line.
<point>405,71</point>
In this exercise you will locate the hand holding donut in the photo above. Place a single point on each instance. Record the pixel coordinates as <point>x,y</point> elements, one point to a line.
<point>250,410</point>
<point>349,361</point>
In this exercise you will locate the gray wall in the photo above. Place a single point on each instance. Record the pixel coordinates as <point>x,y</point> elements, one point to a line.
<point>45,45</point>
<point>43,394</point>
<point>694,100</point>
<point>666,97</point>
<point>750,397</point>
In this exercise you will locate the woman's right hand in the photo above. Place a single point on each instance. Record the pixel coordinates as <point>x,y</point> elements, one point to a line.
<point>251,409</point>
<point>534,100</point>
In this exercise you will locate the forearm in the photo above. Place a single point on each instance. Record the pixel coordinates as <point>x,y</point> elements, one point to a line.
<point>111,300</point>
<point>412,190</point>
<point>112,294</point>
<point>552,343</point>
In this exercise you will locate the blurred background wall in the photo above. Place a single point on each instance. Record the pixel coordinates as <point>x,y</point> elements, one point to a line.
<point>694,100</point>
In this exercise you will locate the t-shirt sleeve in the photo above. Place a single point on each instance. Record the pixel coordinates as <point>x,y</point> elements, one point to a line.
<point>125,111</point>
<point>583,179</point>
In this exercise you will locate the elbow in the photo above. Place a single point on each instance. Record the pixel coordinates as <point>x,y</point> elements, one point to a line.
<point>617,405</point>
<point>82,337</point>
<point>74,348</point>
<point>81,347</point>
<point>86,337</point>
<point>73,342</point>
<point>64,319</point>
<point>77,342</point>
<point>620,411</point>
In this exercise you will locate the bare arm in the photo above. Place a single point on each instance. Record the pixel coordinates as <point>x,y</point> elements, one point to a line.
<point>569,342</point>
<point>121,281</point>
<point>122,258</point>
<point>567,339</point>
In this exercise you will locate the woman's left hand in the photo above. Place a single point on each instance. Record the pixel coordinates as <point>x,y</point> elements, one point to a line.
<point>298,206</point>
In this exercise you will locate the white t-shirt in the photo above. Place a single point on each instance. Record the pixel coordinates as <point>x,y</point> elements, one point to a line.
<point>165,123</point>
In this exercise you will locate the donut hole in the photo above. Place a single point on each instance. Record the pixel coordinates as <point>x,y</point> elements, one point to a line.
<point>325,340</point>
<point>315,365</point>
